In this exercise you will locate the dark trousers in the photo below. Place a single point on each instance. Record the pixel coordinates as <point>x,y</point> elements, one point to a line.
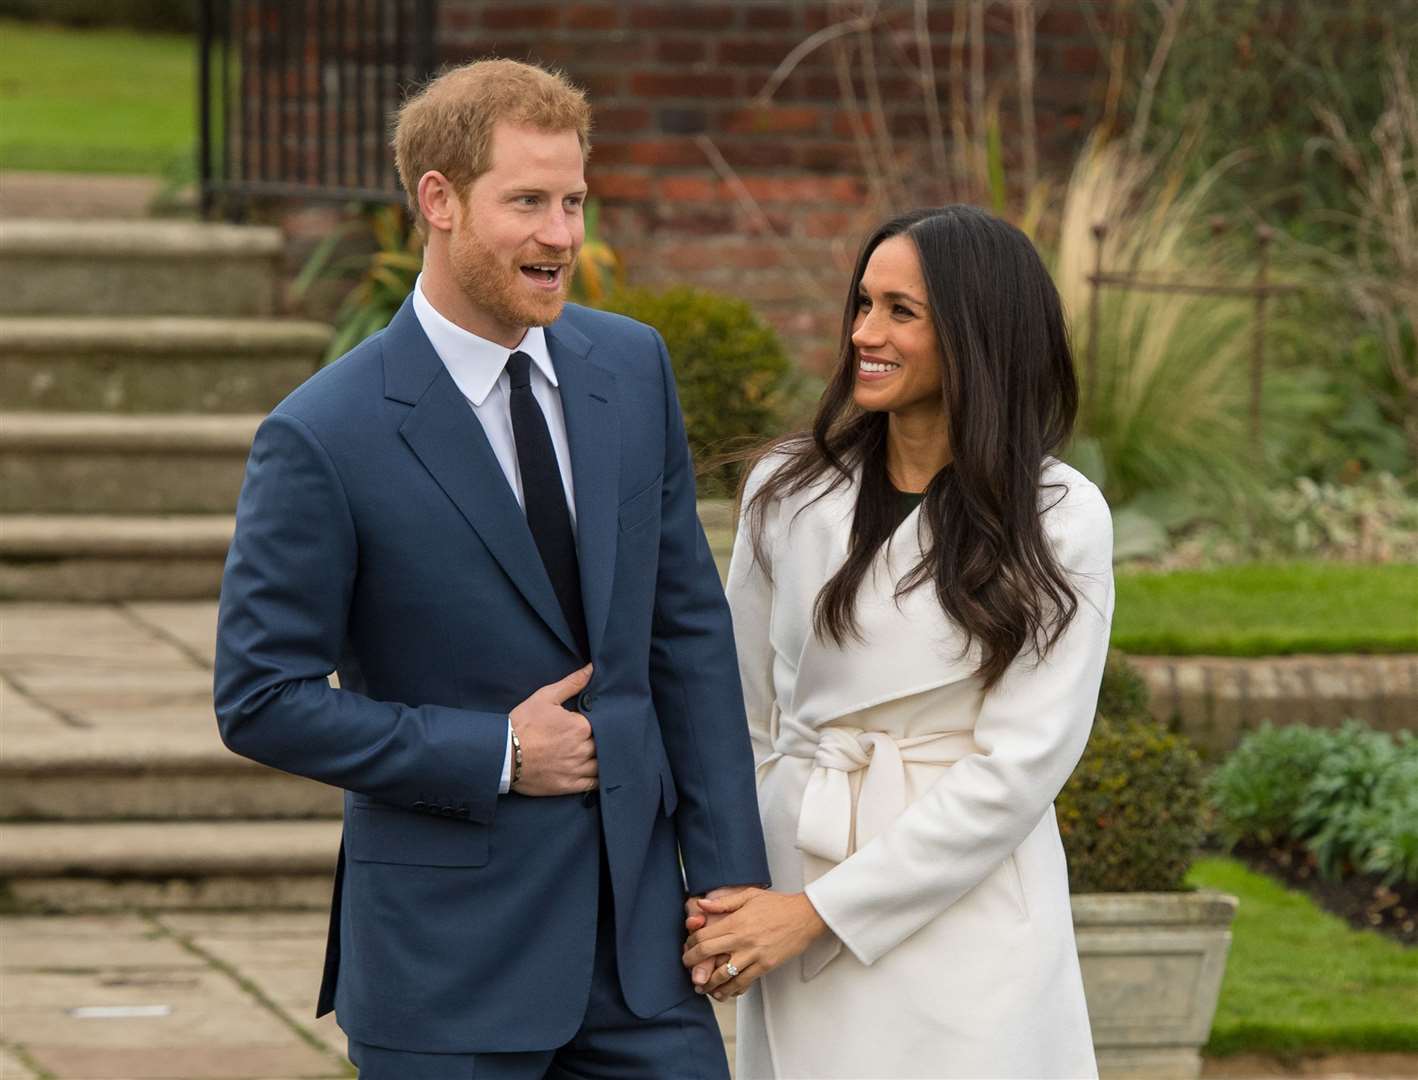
<point>681,1043</point>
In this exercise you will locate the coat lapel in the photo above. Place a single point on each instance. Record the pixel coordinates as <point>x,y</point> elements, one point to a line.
<point>593,433</point>
<point>447,438</point>
<point>910,646</point>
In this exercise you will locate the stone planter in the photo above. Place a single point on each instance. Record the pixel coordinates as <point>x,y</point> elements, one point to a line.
<point>1152,967</point>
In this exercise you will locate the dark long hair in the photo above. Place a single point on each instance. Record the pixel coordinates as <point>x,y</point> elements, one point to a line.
<point>1010,396</point>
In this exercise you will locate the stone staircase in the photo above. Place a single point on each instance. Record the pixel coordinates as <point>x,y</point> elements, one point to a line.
<point>136,359</point>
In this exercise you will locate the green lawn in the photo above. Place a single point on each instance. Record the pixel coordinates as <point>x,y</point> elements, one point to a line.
<point>1299,979</point>
<point>1268,610</point>
<point>95,100</point>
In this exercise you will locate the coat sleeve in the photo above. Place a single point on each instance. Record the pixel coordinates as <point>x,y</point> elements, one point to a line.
<point>694,681</point>
<point>1031,730</point>
<point>750,594</point>
<point>281,630</point>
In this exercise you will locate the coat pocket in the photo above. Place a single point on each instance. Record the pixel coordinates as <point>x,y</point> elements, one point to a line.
<point>641,507</point>
<point>381,834</point>
<point>1016,883</point>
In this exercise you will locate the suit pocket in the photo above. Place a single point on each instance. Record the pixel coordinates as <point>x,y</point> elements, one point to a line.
<point>642,507</point>
<point>669,794</point>
<point>380,834</point>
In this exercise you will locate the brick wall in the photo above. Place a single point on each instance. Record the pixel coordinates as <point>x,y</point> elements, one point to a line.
<point>783,236</point>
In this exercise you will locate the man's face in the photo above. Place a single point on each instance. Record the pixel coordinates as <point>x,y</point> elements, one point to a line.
<point>514,242</point>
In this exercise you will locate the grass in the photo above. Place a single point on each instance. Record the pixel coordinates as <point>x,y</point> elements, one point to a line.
<point>1268,609</point>
<point>1300,980</point>
<point>96,100</point>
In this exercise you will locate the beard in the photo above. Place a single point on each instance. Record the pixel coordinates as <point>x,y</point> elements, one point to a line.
<point>497,287</point>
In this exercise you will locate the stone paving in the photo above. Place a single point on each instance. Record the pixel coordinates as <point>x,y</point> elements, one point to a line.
<point>224,996</point>
<point>229,996</point>
<point>216,995</point>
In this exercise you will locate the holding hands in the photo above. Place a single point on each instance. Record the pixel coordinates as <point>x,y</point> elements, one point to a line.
<point>739,935</point>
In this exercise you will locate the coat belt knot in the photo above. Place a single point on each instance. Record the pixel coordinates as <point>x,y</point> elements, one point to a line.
<point>827,826</point>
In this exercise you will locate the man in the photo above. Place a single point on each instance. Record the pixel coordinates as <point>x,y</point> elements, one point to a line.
<point>483,518</point>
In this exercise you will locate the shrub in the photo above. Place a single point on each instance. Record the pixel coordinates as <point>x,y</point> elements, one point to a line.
<point>1340,796</point>
<point>1259,788</point>
<point>1389,827</point>
<point>1130,815</point>
<point>1163,374</point>
<point>734,376</point>
<point>1349,796</point>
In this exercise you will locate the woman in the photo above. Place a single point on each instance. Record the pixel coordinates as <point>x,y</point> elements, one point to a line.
<point>921,598</point>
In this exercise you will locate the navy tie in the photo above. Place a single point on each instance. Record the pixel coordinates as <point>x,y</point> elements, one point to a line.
<point>545,497</point>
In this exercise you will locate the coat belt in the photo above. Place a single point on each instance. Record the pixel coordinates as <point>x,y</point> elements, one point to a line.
<point>828,830</point>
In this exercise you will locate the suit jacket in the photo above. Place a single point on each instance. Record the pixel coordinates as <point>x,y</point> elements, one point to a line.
<point>377,537</point>
<point>915,808</point>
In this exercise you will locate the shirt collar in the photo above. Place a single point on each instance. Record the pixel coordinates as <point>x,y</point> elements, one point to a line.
<point>475,362</point>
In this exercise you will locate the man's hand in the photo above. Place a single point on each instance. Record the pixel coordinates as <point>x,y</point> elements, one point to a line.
<point>761,931</point>
<point>558,749</point>
<point>696,918</point>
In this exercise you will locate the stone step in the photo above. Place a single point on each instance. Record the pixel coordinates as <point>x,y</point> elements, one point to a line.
<point>1217,700</point>
<point>57,267</point>
<point>159,771</point>
<point>99,463</point>
<point>86,866</point>
<point>155,364</point>
<point>77,195</point>
<point>95,557</point>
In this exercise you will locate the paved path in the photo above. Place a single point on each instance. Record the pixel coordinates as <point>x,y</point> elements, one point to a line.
<point>208,996</point>
<point>229,996</point>
<point>136,673</point>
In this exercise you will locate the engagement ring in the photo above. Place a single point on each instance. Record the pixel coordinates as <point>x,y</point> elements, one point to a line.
<point>733,971</point>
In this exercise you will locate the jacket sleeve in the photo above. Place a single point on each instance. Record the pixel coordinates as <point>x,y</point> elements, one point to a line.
<point>694,681</point>
<point>281,630</point>
<point>1031,730</point>
<point>750,594</point>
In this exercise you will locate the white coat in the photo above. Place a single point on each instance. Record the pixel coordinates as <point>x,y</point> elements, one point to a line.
<point>916,809</point>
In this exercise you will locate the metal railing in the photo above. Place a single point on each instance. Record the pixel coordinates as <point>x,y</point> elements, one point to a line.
<point>295,97</point>
<point>1259,291</point>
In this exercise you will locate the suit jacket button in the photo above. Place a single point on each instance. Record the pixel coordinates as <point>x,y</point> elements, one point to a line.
<point>583,702</point>
<point>462,813</point>
<point>420,805</point>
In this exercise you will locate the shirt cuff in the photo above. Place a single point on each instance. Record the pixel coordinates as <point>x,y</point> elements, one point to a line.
<point>505,785</point>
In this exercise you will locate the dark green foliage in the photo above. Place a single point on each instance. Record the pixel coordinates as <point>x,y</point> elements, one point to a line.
<point>1245,75</point>
<point>1348,795</point>
<point>1389,827</point>
<point>1259,789</point>
<point>175,16</point>
<point>733,374</point>
<point>1130,815</point>
<point>1123,691</point>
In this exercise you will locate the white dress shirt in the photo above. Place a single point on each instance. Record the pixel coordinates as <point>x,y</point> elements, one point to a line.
<point>479,369</point>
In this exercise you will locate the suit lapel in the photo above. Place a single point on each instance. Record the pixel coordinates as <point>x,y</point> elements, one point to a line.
<point>447,438</point>
<point>593,433</point>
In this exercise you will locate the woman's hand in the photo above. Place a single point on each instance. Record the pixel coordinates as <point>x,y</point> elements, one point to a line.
<point>696,919</point>
<point>757,930</point>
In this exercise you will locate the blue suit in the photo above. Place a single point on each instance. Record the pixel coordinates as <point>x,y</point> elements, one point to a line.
<point>377,536</point>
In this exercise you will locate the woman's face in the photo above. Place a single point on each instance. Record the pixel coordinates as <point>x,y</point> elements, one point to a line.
<point>897,353</point>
